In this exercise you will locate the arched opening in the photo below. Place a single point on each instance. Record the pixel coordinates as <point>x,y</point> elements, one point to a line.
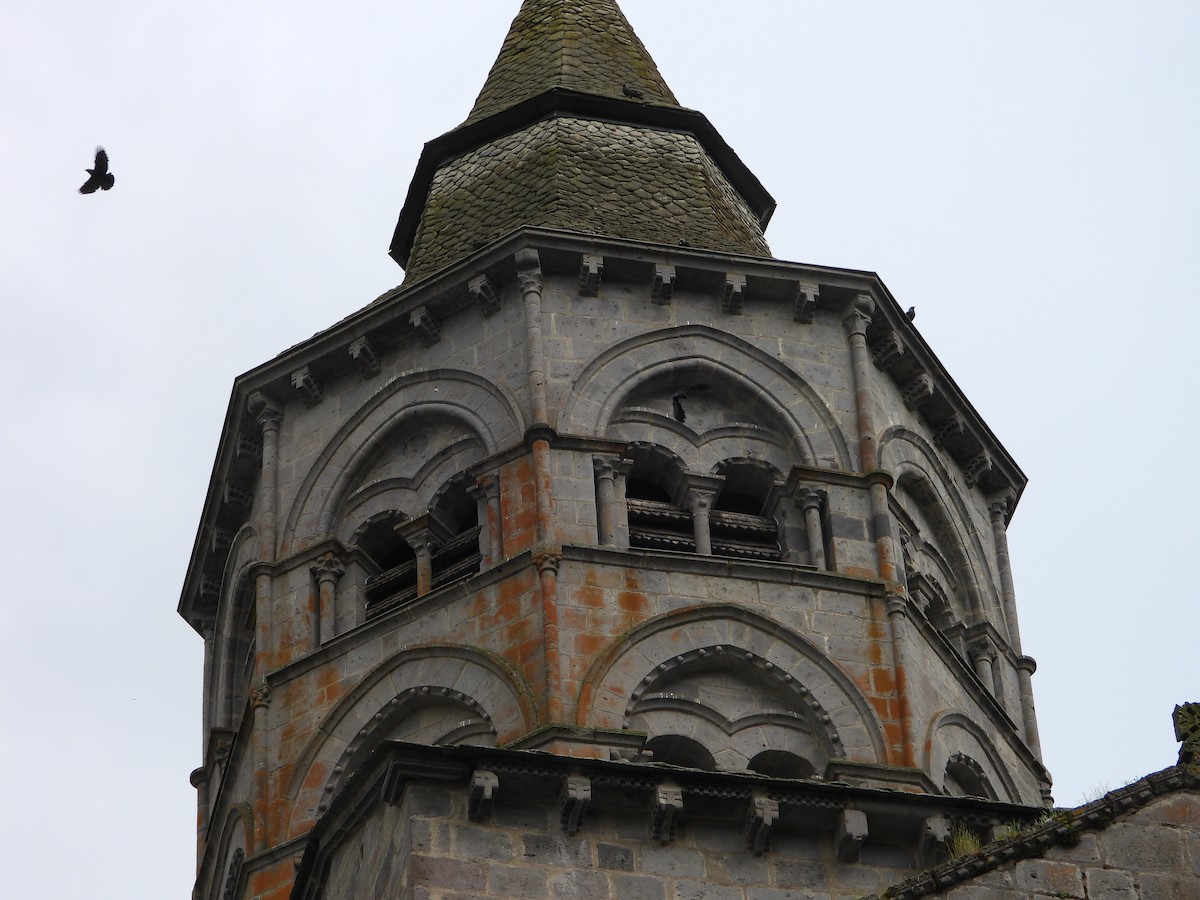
<point>395,578</point>
<point>656,521</point>
<point>739,521</point>
<point>966,778</point>
<point>781,764</point>
<point>677,750</point>
<point>457,515</point>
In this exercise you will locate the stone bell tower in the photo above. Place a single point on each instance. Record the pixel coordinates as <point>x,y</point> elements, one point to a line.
<point>608,553</point>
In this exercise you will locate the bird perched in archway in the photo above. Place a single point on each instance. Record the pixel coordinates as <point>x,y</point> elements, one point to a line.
<point>99,178</point>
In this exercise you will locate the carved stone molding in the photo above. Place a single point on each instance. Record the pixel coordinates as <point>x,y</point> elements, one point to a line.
<point>662,285</point>
<point>484,785</point>
<point>804,302</point>
<point>887,350</point>
<point>665,812</point>
<point>426,324</point>
<point>260,696</point>
<point>365,357</point>
<point>576,795</point>
<point>233,874</point>
<point>733,294</point>
<point>483,291</point>
<point>764,813</point>
<point>591,271</point>
<point>307,387</point>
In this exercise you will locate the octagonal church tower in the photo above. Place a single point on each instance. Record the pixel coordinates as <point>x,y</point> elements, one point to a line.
<point>608,555</point>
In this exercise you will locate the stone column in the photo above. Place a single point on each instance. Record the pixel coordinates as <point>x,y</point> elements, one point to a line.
<point>417,534</point>
<point>701,491</point>
<point>486,492</point>
<point>327,571</point>
<point>857,318</point>
<point>610,510</point>
<point>809,501</point>
<point>269,414</point>
<point>998,510</point>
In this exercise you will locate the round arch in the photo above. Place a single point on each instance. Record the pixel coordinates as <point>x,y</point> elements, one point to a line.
<point>691,354</point>
<point>482,407</point>
<point>619,676</point>
<point>955,739</point>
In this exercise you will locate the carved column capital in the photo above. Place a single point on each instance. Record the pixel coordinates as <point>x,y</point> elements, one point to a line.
<point>267,411</point>
<point>1000,505</point>
<point>547,559</point>
<point>328,568</point>
<point>858,314</point>
<point>260,697</point>
<point>807,498</point>
<point>529,271</point>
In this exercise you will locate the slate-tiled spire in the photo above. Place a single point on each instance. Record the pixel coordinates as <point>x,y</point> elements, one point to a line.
<point>576,130</point>
<point>584,46</point>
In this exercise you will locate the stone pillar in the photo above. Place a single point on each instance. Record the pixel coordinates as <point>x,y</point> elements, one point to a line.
<point>857,318</point>
<point>327,571</point>
<point>701,491</point>
<point>610,508</point>
<point>417,533</point>
<point>998,510</point>
<point>486,492</point>
<point>810,501</point>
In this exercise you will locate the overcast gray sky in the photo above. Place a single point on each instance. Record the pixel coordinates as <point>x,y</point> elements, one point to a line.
<point>1024,173</point>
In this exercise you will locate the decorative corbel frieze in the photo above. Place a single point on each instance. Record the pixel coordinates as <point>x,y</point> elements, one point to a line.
<point>576,795</point>
<point>975,467</point>
<point>482,796</point>
<point>591,271</point>
<point>662,286</point>
<point>733,294</point>
<point>804,302</point>
<point>952,428</point>
<point>307,387</point>
<point>668,805</point>
<point>851,834</point>
<point>365,357</point>
<point>233,874</point>
<point>483,292</point>
<point>918,390</point>
<point>764,813</point>
<point>887,350</point>
<point>426,325</point>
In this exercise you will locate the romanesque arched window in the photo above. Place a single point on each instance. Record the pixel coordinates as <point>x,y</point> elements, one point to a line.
<point>395,579</point>
<point>740,523</point>
<point>653,484</point>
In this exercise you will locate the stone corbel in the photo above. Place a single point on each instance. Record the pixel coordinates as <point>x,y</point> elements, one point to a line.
<point>426,325</point>
<point>248,448</point>
<point>918,391</point>
<point>482,796</point>
<point>668,806</point>
<point>804,302</point>
<point>483,292</point>
<point>951,428</point>
<point>662,286</point>
<point>851,834</point>
<point>934,840</point>
<point>975,468</point>
<point>764,813</point>
<point>210,589</point>
<point>576,795</point>
<point>307,387</point>
<point>733,294</point>
<point>887,350</point>
<point>591,271</point>
<point>365,358</point>
<point>237,496</point>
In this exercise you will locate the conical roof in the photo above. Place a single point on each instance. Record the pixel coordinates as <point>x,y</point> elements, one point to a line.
<point>578,45</point>
<point>576,130</point>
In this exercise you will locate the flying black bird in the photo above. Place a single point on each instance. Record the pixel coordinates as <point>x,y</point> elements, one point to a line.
<point>99,178</point>
<point>912,313</point>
